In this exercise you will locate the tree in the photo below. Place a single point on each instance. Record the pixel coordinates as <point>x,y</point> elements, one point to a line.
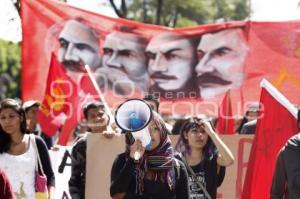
<point>175,13</point>
<point>10,65</point>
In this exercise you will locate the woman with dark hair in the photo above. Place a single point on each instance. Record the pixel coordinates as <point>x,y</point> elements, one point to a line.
<point>18,156</point>
<point>205,156</point>
<point>157,174</point>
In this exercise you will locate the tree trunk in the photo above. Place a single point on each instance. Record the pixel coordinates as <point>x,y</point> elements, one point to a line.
<point>124,8</point>
<point>17,6</point>
<point>145,10</point>
<point>158,11</point>
<point>174,18</point>
<point>112,3</point>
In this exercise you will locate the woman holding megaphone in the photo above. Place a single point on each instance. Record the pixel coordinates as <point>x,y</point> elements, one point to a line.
<point>156,174</point>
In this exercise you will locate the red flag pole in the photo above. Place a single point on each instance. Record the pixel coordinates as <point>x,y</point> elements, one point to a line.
<point>227,111</point>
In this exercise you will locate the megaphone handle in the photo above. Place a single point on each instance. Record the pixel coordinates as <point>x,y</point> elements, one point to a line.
<point>130,137</point>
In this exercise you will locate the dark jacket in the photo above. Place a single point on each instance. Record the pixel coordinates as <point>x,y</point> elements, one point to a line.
<point>123,181</point>
<point>249,127</point>
<point>48,140</point>
<point>286,178</point>
<point>45,160</point>
<point>78,172</point>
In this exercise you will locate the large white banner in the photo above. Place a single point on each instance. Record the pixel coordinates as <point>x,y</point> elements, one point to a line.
<point>61,163</point>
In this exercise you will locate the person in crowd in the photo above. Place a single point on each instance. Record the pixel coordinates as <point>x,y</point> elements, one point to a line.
<point>156,174</point>
<point>79,131</point>
<point>172,60</point>
<point>124,62</point>
<point>5,186</point>
<point>205,156</point>
<point>18,156</point>
<point>97,121</point>
<point>178,126</point>
<point>31,108</point>
<point>248,123</point>
<point>153,101</point>
<point>221,64</point>
<point>286,177</point>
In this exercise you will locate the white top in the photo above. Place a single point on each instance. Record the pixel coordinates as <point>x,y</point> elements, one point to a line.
<point>20,170</point>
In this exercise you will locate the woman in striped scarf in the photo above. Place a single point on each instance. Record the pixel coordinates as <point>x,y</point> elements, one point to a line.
<point>156,175</point>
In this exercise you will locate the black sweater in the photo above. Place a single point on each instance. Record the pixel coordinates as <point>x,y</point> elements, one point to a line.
<point>286,178</point>
<point>123,181</point>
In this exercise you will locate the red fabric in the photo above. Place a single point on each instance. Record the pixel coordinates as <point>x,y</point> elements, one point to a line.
<point>225,124</point>
<point>275,125</point>
<point>6,191</point>
<point>78,103</point>
<point>64,98</point>
<point>57,98</point>
<point>273,54</point>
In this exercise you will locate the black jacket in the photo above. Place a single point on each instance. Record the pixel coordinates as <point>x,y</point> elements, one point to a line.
<point>78,172</point>
<point>286,178</point>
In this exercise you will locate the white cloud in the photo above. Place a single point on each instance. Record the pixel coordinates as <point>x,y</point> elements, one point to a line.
<point>97,6</point>
<point>275,10</point>
<point>10,23</point>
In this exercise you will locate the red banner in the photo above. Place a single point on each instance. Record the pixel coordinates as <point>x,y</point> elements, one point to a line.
<point>190,68</point>
<point>277,122</point>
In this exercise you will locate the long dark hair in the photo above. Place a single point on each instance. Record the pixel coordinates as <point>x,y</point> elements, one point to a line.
<point>5,140</point>
<point>182,146</point>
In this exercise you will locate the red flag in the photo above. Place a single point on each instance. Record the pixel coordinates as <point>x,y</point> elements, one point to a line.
<point>276,123</point>
<point>83,94</point>
<point>63,101</point>
<point>55,105</point>
<point>225,123</point>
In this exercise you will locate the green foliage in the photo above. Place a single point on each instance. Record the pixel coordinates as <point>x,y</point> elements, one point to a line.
<point>10,63</point>
<point>178,13</point>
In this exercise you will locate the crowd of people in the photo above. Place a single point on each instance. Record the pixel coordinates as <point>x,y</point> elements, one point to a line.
<point>160,166</point>
<point>193,169</point>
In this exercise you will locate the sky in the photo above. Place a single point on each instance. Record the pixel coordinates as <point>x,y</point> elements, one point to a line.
<point>262,10</point>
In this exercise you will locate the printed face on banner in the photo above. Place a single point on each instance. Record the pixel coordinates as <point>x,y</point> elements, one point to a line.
<point>124,63</point>
<point>79,45</point>
<point>171,61</point>
<point>221,62</point>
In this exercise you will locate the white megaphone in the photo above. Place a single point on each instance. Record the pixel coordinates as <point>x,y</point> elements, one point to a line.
<point>132,117</point>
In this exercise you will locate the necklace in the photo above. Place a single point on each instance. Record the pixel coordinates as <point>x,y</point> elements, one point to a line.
<point>17,143</point>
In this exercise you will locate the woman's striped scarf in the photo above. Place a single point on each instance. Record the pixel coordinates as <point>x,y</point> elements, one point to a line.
<point>159,161</point>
